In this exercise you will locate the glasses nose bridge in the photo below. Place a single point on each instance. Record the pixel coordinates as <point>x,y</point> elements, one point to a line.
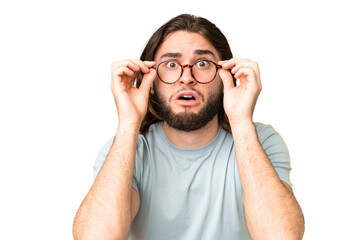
<point>183,67</point>
<point>187,66</point>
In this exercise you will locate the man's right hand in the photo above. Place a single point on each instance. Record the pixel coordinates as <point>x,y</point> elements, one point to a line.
<point>131,102</point>
<point>112,203</point>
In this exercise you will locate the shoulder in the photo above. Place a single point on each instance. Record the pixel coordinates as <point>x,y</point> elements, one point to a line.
<point>272,143</point>
<point>142,146</point>
<point>276,150</point>
<point>144,139</point>
<point>264,130</point>
<point>267,135</point>
<point>100,159</point>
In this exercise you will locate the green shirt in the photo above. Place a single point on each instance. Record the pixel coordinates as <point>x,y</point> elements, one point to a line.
<point>193,193</point>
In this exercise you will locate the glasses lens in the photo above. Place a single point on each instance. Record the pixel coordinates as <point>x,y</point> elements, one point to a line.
<point>169,71</point>
<point>204,71</point>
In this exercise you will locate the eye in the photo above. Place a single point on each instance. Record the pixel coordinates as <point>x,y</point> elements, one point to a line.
<point>171,65</point>
<point>202,63</point>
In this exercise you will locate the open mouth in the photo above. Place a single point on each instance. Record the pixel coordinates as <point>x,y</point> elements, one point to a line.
<point>188,98</point>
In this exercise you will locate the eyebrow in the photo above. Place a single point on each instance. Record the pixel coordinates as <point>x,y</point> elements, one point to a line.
<point>204,52</point>
<point>196,52</point>
<point>171,55</point>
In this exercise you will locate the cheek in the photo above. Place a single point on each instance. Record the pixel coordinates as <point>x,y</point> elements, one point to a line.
<point>219,80</point>
<point>217,86</point>
<point>159,87</point>
<point>164,90</point>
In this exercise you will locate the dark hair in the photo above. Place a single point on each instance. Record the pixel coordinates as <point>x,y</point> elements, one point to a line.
<point>189,23</point>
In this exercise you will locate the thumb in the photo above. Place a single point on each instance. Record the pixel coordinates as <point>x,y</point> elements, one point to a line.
<point>227,79</point>
<point>147,81</point>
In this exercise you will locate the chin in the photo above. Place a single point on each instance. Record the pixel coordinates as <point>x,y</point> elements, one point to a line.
<point>187,111</point>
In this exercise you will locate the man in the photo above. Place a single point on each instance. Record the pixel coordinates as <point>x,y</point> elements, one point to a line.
<point>200,168</point>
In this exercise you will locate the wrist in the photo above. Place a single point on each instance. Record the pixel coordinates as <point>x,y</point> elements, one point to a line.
<point>243,131</point>
<point>127,128</point>
<point>242,127</point>
<point>242,124</point>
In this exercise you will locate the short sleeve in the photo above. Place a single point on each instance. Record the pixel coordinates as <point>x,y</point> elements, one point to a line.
<point>276,150</point>
<point>101,157</point>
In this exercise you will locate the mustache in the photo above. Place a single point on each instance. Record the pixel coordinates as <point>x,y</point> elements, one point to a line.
<point>187,89</point>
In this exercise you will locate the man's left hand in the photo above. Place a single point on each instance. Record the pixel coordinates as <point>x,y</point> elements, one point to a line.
<point>240,100</point>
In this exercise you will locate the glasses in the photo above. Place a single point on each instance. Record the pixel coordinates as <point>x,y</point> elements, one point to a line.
<point>203,71</point>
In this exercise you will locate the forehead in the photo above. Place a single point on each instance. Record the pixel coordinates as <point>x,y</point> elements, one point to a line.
<point>186,44</point>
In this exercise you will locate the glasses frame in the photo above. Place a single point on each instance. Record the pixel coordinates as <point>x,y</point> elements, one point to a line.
<point>187,66</point>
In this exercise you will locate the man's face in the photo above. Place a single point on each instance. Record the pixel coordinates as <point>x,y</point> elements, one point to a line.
<point>187,105</point>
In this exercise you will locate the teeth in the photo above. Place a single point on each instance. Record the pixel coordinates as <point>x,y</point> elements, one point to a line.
<point>186,97</point>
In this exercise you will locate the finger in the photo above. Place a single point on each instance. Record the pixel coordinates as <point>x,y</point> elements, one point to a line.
<point>253,66</point>
<point>227,79</point>
<point>245,73</point>
<point>124,71</point>
<point>149,64</point>
<point>238,65</point>
<point>241,59</point>
<point>235,64</point>
<point>121,63</point>
<point>144,66</point>
<point>222,62</point>
<point>125,68</point>
<point>246,77</point>
<point>232,62</point>
<point>226,64</point>
<point>258,74</point>
<point>147,81</point>
<point>134,64</point>
<point>235,60</point>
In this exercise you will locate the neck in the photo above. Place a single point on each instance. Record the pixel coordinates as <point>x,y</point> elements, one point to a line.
<point>192,139</point>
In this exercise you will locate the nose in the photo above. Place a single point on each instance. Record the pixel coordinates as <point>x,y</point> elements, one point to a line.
<point>187,77</point>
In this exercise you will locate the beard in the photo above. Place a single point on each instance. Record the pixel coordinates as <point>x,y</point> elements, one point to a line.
<point>186,120</point>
